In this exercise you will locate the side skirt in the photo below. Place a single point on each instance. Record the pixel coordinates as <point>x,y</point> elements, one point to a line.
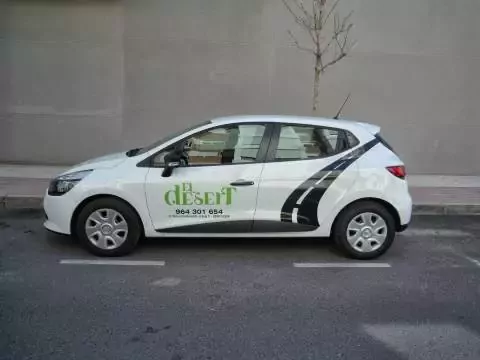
<point>241,227</point>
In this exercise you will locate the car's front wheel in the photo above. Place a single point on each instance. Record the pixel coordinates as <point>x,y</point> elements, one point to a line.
<point>365,230</point>
<point>108,227</point>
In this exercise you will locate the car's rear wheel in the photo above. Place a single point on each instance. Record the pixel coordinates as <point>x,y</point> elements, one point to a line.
<point>108,227</point>
<point>365,230</point>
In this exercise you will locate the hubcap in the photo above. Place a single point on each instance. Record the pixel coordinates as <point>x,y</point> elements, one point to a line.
<point>107,229</point>
<point>367,232</point>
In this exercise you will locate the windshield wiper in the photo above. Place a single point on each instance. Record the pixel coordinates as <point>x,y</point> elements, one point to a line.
<point>132,152</point>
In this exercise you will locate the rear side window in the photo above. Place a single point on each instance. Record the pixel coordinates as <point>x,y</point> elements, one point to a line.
<point>303,142</point>
<point>384,142</point>
<point>352,140</point>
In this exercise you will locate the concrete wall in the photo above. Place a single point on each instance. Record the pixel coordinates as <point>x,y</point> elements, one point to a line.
<point>82,78</point>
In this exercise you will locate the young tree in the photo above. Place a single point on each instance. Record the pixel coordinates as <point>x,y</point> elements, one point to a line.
<point>328,36</point>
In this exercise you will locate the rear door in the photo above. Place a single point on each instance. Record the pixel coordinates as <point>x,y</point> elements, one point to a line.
<point>308,169</point>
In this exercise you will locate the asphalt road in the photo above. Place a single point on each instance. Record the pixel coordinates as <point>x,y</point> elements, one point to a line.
<point>241,299</point>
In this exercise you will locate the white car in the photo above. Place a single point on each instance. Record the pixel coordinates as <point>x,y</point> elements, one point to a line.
<point>249,176</point>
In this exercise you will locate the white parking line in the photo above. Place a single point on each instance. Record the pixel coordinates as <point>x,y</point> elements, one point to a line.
<point>342,265</point>
<point>462,255</point>
<point>435,232</point>
<point>427,341</point>
<point>472,260</point>
<point>112,262</point>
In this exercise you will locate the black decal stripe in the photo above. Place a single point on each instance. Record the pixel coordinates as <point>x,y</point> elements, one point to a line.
<point>269,226</point>
<point>228,226</point>
<point>307,210</point>
<point>308,207</point>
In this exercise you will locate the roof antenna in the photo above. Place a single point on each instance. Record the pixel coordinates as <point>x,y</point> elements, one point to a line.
<point>341,107</point>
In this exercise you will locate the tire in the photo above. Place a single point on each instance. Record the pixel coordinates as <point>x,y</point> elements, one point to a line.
<point>118,230</point>
<point>367,217</point>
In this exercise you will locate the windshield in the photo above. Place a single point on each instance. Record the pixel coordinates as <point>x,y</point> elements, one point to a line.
<point>167,138</point>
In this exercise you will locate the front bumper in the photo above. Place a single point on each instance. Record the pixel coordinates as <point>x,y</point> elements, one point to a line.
<point>59,211</point>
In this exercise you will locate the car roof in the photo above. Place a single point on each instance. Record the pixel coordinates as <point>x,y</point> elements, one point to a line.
<point>303,120</point>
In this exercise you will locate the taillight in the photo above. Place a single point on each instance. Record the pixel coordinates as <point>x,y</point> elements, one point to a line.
<point>398,171</point>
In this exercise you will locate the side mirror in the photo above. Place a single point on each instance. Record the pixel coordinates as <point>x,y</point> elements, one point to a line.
<point>173,160</point>
<point>173,164</point>
<point>169,166</point>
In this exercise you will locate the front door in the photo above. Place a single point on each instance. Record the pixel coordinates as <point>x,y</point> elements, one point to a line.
<point>217,190</point>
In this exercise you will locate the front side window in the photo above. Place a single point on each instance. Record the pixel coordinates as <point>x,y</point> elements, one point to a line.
<point>145,149</point>
<point>232,144</point>
<point>302,142</point>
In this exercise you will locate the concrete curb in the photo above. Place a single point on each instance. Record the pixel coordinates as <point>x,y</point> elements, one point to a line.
<point>11,202</point>
<point>446,209</point>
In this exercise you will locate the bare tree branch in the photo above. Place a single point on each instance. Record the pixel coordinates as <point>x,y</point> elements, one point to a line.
<point>342,44</point>
<point>345,20</point>
<point>324,38</point>
<point>299,4</point>
<point>304,21</point>
<point>334,61</point>
<point>297,44</point>
<point>330,12</point>
<point>315,22</point>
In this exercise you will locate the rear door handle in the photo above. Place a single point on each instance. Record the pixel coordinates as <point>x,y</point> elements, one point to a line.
<point>242,183</point>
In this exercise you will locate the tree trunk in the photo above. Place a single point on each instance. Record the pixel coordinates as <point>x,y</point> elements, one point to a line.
<point>316,84</point>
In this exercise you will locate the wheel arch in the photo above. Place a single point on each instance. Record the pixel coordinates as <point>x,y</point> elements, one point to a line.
<point>89,199</point>
<point>389,207</point>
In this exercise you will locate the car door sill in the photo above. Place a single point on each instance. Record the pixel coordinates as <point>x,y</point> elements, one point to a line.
<point>240,226</point>
<point>273,226</point>
<point>227,227</point>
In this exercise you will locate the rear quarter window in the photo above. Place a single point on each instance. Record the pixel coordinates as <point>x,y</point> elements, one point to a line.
<point>302,142</point>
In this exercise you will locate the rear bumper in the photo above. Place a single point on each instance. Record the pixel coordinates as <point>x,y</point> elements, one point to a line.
<point>399,197</point>
<point>404,208</point>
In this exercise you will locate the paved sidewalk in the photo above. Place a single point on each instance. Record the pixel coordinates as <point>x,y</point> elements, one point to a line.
<point>23,186</point>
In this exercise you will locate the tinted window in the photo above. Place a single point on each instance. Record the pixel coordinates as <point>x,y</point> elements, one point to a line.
<point>224,145</point>
<point>167,138</point>
<point>310,142</point>
<point>352,140</point>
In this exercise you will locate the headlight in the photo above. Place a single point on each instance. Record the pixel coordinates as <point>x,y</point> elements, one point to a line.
<point>65,183</point>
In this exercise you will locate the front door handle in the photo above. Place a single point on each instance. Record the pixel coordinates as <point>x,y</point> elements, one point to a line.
<point>242,183</point>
